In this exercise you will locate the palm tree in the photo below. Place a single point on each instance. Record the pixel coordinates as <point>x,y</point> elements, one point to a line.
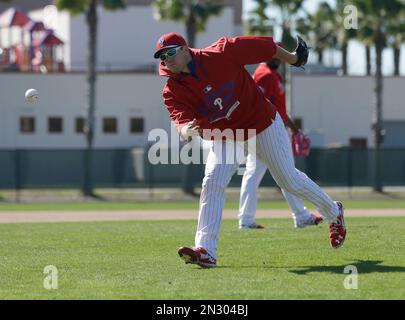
<point>319,29</point>
<point>304,28</point>
<point>378,15</point>
<point>398,40</point>
<point>89,7</point>
<point>365,35</point>
<point>288,10</point>
<point>194,13</point>
<point>343,35</point>
<point>396,31</point>
<point>259,23</point>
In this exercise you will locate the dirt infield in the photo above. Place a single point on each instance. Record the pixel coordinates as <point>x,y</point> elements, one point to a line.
<point>72,216</point>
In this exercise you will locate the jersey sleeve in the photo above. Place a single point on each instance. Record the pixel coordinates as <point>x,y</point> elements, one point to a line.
<point>245,50</point>
<point>264,83</point>
<point>279,99</point>
<point>274,91</point>
<point>178,112</point>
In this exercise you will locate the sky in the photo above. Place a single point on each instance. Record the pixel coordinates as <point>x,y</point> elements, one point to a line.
<point>356,57</point>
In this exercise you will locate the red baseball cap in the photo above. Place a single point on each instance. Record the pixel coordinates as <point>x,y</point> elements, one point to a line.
<point>169,40</point>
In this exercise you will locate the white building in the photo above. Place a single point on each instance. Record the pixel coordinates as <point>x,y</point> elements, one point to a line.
<point>126,38</point>
<point>335,110</point>
<point>52,123</point>
<point>332,109</point>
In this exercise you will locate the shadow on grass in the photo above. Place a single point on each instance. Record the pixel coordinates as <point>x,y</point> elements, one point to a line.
<point>363,267</point>
<point>389,195</point>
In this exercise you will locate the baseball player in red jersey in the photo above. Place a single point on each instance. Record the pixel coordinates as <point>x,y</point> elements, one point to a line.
<point>270,82</point>
<point>209,90</point>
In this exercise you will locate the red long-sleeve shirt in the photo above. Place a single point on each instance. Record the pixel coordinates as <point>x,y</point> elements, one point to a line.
<point>270,82</point>
<point>219,93</point>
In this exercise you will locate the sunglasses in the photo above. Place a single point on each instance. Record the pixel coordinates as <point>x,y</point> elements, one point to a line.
<point>170,53</point>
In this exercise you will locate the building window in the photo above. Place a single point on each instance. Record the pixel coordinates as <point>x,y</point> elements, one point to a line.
<point>110,125</point>
<point>55,125</point>
<point>136,125</point>
<point>79,125</point>
<point>27,125</point>
<point>358,142</point>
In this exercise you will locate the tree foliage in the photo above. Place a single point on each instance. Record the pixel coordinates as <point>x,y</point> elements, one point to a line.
<point>193,13</point>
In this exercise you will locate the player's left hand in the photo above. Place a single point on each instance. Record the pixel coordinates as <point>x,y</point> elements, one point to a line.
<point>300,144</point>
<point>302,52</point>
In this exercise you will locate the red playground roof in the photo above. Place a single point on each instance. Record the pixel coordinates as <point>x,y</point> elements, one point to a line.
<point>13,17</point>
<point>48,39</point>
<point>34,26</point>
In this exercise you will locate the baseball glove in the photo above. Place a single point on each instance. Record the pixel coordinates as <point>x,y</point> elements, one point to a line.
<point>302,52</point>
<point>300,144</point>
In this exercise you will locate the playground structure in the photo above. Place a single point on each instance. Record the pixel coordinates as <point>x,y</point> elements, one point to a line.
<point>37,50</point>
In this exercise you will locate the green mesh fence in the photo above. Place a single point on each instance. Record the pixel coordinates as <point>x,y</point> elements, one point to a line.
<point>128,168</point>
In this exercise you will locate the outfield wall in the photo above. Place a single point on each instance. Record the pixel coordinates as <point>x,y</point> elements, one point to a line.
<point>117,168</point>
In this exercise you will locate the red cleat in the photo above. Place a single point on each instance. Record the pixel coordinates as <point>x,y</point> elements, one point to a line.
<point>317,220</point>
<point>308,220</point>
<point>337,230</point>
<point>198,256</point>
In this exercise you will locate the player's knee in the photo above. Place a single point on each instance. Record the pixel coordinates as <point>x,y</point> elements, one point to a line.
<point>250,181</point>
<point>249,171</point>
<point>293,186</point>
<point>214,183</point>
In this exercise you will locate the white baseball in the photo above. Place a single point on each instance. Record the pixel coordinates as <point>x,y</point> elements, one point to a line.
<point>31,95</point>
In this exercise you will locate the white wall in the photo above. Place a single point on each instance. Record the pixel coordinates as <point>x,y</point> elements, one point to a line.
<point>335,109</point>
<point>127,38</point>
<point>119,95</point>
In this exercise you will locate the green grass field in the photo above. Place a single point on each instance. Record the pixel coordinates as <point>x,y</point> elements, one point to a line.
<point>172,205</point>
<point>138,260</point>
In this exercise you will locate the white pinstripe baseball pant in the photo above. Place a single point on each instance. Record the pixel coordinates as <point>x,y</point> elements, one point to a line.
<point>253,175</point>
<point>273,149</point>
